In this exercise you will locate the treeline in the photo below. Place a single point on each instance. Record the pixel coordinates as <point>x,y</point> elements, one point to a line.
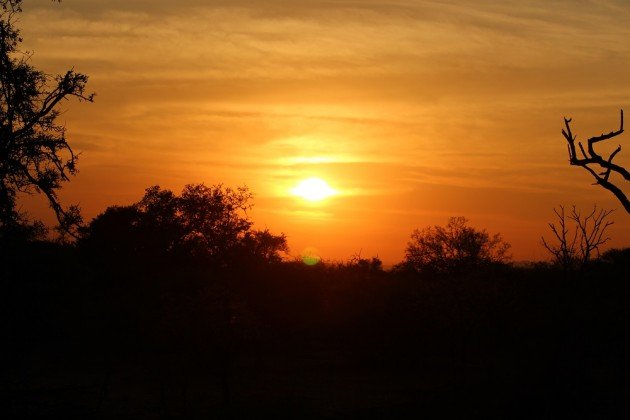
<point>157,313</point>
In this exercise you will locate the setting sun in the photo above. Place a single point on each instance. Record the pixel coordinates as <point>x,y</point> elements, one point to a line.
<point>313,189</point>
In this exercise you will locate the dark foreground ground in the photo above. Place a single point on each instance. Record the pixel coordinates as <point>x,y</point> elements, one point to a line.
<point>116,339</point>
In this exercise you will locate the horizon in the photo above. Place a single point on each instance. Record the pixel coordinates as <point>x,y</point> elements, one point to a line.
<point>411,113</point>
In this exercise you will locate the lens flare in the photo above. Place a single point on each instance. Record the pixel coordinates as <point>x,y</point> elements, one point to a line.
<point>310,256</point>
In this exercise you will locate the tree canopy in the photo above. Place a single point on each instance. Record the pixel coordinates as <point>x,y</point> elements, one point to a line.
<point>206,223</point>
<point>453,247</point>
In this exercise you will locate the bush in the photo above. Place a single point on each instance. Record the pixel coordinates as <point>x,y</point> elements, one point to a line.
<point>453,248</point>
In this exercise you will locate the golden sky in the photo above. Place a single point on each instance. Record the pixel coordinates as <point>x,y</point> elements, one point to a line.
<point>412,110</point>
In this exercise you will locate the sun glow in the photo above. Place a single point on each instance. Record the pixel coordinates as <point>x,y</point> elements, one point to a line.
<point>313,189</point>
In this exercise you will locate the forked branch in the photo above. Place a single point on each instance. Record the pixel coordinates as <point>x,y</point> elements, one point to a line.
<point>595,164</point>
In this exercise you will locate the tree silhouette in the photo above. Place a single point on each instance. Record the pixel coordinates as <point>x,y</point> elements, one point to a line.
<point>263,245</point>
<point>203,223</point>
<point>454,247</point>
<point>603,168</point>
<point>34,153</point>
<point>573,249</point>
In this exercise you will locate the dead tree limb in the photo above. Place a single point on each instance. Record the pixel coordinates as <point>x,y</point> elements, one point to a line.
<point>595,164</point>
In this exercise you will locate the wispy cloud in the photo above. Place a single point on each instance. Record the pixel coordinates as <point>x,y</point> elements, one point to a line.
<point>382,97</point>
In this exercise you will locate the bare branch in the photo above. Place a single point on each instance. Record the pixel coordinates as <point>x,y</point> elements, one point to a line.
<point>592,158</point>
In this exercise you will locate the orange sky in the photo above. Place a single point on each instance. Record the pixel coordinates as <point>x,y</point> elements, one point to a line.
<point>413,110</point>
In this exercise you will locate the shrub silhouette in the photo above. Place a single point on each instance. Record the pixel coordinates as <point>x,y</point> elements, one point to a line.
<point>619,257</point>
<point>452,248</point>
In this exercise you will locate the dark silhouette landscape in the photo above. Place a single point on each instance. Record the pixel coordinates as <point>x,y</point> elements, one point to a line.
<point>95,334</point>
<point>178,306</point>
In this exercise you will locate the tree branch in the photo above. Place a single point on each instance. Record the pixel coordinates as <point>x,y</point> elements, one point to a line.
<point>607,167</point>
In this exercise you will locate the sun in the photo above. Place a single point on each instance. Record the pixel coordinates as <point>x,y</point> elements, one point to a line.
<point>313,189</point>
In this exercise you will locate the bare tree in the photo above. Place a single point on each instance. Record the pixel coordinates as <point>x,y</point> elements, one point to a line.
<point>595,164</point>
<point>574,245</point>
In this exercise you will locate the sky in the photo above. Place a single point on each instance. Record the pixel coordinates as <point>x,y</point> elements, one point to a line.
<point>413,111</point>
